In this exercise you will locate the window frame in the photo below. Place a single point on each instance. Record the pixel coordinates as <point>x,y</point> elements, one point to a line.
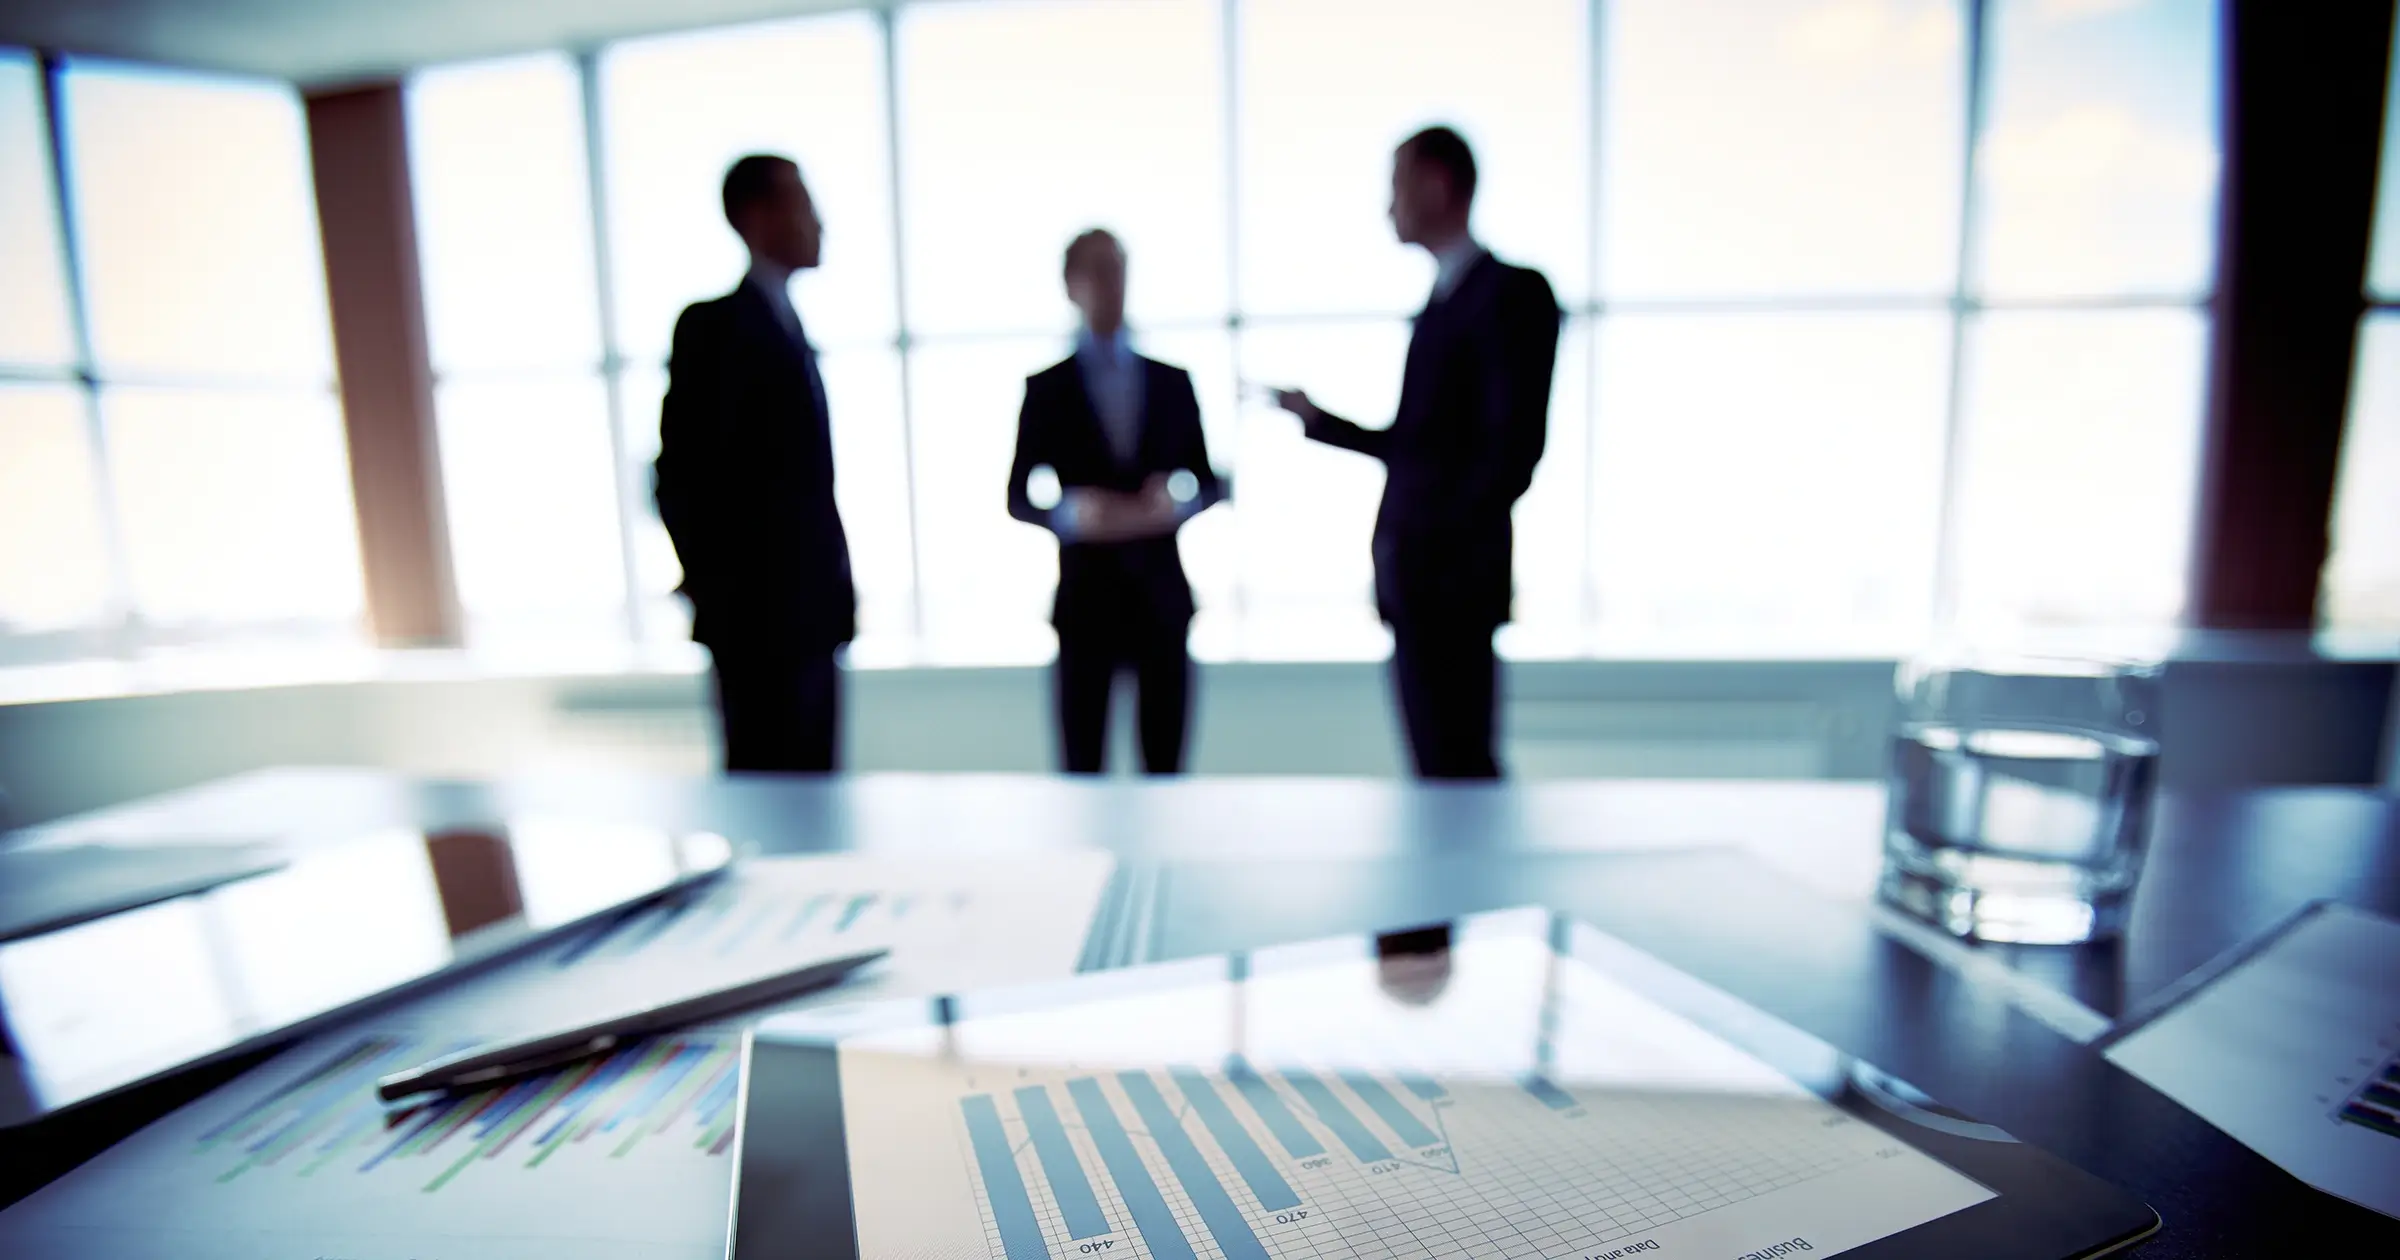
<point>120,630</point>
<point>1590,308</point>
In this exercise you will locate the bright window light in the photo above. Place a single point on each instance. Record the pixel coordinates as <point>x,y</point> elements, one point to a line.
<point>198,225</point>
<point>2097,170</point>
<point>1780,150</point>
<point>1023,122</point>
<point>677,110</point>
<point>33,304</point>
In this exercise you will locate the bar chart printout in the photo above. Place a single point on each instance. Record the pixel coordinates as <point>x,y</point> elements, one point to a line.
<point>1249,1164</point>
<point>327,1123</point>
<point>624,1157</point>
<point>1238,1158</point>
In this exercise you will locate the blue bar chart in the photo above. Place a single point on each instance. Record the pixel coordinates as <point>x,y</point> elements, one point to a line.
<point>1194,1162</point>
<point>1297,1141</point>
<point>1258,1172</point>
<point>1551,1096</point>
<point>1067,1182</point>
<point>1003,1185</point>
<point>1224,1220</point>
<point>1329,1107</point>
<point>1151,1215</point>
<point>1379,1100</point>
<point>1309,1116</point>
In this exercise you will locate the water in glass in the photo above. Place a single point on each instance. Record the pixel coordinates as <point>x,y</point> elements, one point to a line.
<point>2008,829</point>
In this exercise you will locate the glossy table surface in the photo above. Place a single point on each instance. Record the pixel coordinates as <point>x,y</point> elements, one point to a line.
<point>1760,888</point>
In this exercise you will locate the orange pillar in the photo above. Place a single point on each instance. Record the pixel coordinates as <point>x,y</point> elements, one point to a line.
<point>358,142</point>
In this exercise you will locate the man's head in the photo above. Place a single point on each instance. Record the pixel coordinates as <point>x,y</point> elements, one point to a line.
<point>769,206</point>
<point>1095,270</point>
<point>1433,183</point>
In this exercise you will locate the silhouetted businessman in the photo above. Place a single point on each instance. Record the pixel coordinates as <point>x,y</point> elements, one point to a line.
<point>1474,410</point>
<point>1122,434</point>
<point>745,486</point>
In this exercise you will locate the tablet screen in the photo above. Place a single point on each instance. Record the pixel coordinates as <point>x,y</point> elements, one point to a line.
<point>1498,1097</point>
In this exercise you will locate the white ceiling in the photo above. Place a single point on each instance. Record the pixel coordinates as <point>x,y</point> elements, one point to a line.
<point>323,42</point>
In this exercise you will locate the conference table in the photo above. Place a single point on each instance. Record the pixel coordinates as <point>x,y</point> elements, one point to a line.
<point>1761,888</point>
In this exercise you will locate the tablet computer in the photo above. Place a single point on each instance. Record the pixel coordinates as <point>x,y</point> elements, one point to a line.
<point>108,1003</point>
<point>1512,1084</point>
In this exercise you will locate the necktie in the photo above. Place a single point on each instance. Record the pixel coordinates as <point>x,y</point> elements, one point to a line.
<point>808,360</point>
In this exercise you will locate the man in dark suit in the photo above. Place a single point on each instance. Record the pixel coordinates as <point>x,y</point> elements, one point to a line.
<point>1122,435</point>
<point>1474,410</point>
<point>745,486</point>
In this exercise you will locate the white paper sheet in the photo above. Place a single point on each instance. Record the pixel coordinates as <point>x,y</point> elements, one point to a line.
<point>1535,1107</point>
<point>2295,1051</point>
<point>622,1159</point>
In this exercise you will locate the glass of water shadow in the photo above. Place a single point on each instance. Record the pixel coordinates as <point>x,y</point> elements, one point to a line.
<point>2020,794</point>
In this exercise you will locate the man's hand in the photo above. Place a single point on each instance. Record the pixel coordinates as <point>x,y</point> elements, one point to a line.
<point>1115,516</point>
<point>1297,402</point>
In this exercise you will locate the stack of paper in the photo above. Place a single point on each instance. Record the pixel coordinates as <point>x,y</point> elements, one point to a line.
<point>612,1159</point>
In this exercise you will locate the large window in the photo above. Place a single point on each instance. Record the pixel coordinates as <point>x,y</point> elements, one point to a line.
<point>2361,588</point>
<point>2078,425</point>
<point>172,463</point>
<point>497,154</point>
<point>1878,316</point>
<point>2362,574</point>
<point>1780,151</point>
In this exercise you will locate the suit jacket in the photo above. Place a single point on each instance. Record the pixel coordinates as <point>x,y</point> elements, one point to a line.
<point>1474,412</point>
<point>1104,586</point>
<point>745,482</point>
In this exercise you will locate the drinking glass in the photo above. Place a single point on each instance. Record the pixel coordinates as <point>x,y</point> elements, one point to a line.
<point>2021,790</point>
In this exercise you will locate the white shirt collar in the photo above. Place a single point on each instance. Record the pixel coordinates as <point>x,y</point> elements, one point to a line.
<point>1116,349</point>
<point>771,276</point>
<point>1450,265</point>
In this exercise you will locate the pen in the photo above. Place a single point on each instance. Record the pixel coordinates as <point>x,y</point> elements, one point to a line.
<point>490,1065</point>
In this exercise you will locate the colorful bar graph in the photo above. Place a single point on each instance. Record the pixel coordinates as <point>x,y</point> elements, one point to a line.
<point>1200,1185</point>
<point>525,1107</point>
<point>850,913</point>
<point>1412,1131</point>
<point>299,1107</point>
<point>740,936</point>
<point>1424,1087</point>
<point>1140,1194</point>
<point>1003,1184</point>
<point>1292,1135</point>
<point>1552,1096</point>
<point>1258,1172</point>
<point>1321,1099</point>
<point>808,911</point>
<point>660,922</point>
<point>562,1130</point>
<point>330,1116</point>
<point>1068,1185</point>
<point>2367,1117</point>
<point>2376,1105</point>
<point>703,1075</point>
